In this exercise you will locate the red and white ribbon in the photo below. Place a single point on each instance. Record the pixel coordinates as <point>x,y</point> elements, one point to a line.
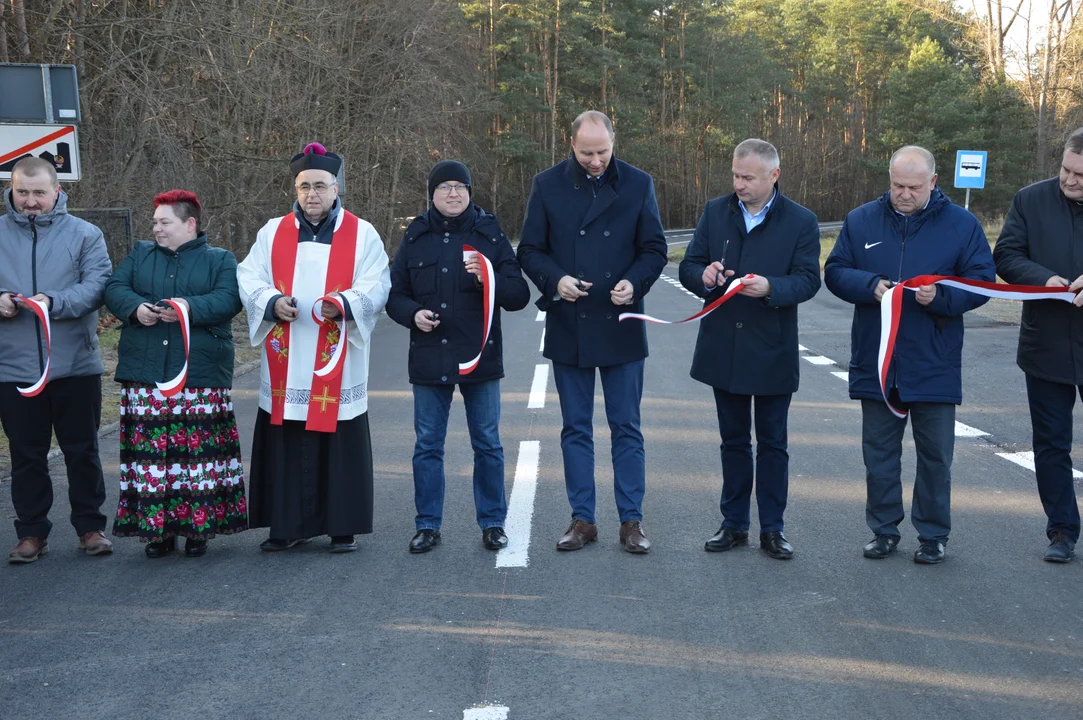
<point>174,386</point>
<point>732,290</point>
<point>891,312</point>
<point>333,366</point>
<point>40,309</point>
<point>488,304</point>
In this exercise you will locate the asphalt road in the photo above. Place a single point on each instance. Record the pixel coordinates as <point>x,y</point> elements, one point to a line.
<point>993,632</point>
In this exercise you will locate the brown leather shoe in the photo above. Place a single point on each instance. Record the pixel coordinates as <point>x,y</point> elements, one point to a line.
<point>95,543</point>
<point>578,534</point>
<point>632,537</point>
<point>28,550</point>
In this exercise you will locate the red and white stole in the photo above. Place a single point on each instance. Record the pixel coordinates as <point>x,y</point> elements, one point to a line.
<point>325,389</point>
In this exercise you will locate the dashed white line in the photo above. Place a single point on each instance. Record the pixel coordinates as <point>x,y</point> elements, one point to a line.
<point>802,348</point>
<point>541,316</point>
<point>819,360</point>
<point>845,376</point>
<point>1026,459</point>
<point>538,387</point>
<point>486,713</point>
<point>541,345</point>
<point>962,430</point>
<point>520,510</point>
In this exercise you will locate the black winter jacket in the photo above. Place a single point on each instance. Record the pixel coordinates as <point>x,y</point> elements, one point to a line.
<point>428,273</point>
<point>1042,237</point>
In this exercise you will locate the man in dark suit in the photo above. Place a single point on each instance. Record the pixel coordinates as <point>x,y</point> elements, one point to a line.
<point>747,349</point>
<point>1039,246</point>
<point>593,243</point>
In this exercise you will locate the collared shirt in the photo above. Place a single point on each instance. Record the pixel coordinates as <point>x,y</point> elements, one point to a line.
<point>751,220</point>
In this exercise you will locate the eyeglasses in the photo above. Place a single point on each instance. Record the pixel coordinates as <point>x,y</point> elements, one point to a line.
<point>446,189</point>
<point>318,188</point>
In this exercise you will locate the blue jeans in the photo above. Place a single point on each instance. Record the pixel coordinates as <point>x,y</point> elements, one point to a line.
<point>772,467</point>
<point>1051,407</point>
<point>432,405</point>
<point>622,386</point>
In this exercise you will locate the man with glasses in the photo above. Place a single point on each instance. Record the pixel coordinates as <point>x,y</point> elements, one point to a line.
<point>311,470</point>
<point>436,292</point>
<point>593,244</point>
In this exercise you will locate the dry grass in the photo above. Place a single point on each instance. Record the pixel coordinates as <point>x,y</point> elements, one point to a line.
<point>108,337</point>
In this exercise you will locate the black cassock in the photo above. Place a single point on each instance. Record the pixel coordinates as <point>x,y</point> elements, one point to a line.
<point>304,483</point>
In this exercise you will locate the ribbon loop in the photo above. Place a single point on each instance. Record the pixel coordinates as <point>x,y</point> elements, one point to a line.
<point>488,304</point>
<point>174,386</point>
<point>41,311</point>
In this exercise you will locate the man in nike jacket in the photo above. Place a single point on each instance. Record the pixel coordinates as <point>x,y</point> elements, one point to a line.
<point>913,229</point>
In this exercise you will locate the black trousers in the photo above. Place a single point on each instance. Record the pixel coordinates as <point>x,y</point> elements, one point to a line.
<point>72,407</point>
<point>1051,419</point>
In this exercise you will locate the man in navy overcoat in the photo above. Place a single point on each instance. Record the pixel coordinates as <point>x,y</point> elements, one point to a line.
<point>747,348</point>
<point>593,244</point>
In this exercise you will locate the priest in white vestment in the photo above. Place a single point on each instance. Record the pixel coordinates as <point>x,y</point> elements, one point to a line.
<point>313,285</point>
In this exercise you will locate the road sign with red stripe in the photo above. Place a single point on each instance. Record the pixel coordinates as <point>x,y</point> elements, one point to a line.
<point>59,144</point>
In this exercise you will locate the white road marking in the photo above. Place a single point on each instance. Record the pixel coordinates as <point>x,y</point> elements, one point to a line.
<point>842,375</point>
<point>819,360</point>
<point>541,316</point>
<point>520,510</point>
<point>1026,459</point>
<point>538,387</point>
<point>802,348</point>
<point>541,345</point>
<point>486,713</point>
<point>967,431</point>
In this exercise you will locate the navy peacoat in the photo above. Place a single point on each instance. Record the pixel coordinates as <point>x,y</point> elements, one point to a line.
<point>599,232</point>
<point>749,345</point>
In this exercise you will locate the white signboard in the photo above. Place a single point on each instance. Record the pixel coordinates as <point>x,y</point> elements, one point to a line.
<point>59,144</point>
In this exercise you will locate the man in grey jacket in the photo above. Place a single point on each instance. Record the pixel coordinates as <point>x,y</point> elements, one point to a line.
<point>55,258</point>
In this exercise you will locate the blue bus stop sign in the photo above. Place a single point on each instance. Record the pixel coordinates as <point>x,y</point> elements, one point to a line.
<point>970,166</point>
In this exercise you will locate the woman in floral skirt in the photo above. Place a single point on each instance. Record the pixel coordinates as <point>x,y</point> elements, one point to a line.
<point>180,456</point>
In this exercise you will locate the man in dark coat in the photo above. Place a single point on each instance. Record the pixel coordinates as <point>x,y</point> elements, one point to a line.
<point>436,292</point>
<point>593,244</point>
<point>1038,245</point>
<point>747,349</point>
<point>913,229</point>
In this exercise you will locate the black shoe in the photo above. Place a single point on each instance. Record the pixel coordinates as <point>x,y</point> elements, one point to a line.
<point>931,552</point>
<point>881,546</point>
<point>160,548</point>
<point>276,545</point>
<point>776,545</point>
<point>494,538</point>
<point>424,541</point>
<point>1060,548</point>
<point>194,548</point>
<point>726,539</point>
<point>343,544</point>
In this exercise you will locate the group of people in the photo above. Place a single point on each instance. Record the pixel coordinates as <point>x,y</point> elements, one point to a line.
<point>592,243</point>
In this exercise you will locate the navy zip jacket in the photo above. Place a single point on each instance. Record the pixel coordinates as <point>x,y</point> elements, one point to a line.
<point>428,274</point>
<point>878,243</point>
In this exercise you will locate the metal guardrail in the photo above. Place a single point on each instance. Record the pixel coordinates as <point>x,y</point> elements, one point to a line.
<point>676,238</point>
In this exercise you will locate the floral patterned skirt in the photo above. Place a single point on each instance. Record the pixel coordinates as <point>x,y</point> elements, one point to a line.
<point>180,465</point>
